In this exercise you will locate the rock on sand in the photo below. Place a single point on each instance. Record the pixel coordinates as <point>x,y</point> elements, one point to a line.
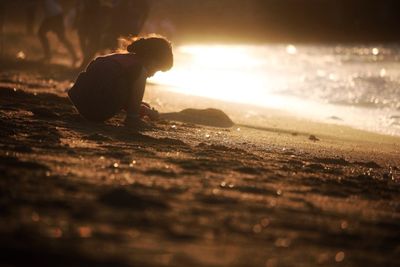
<point>209,117</point>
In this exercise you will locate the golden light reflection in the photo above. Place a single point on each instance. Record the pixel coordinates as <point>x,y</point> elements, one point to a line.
<point>247,74</point>
<point>227,72</point>
<point>291,49</point>
<point>273,76</point>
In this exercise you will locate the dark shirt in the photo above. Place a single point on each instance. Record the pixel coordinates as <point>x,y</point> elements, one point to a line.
<point>104,88</point>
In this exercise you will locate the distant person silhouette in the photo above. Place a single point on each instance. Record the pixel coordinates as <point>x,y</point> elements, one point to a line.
<point>30,11</point>
<point>117,82</point>
<point>54,22</point>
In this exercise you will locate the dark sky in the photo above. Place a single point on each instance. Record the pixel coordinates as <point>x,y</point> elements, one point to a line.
<point>269,20</point>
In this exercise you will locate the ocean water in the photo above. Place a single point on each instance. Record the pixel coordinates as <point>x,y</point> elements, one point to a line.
<point>353,85</point>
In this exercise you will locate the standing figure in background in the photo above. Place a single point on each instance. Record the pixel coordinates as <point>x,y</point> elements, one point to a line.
<point>30,11</point>
<point>54,22</point>
<point>90,23</point>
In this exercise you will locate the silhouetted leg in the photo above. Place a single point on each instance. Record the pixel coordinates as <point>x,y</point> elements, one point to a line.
<point>93,40</point>
<point>58,28</point>
<point>88,56</point>
<point>83,37</point>
<point>63,39</point>
<point>30,17</point>
<point>43,30</point>
<point>82,41</point>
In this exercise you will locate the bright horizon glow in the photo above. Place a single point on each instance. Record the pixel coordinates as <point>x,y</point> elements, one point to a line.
<point>238,73</point>
<point>230,73</point>
<point>270,76</point>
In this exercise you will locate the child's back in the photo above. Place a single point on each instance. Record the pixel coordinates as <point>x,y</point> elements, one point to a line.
<point>103,89</point>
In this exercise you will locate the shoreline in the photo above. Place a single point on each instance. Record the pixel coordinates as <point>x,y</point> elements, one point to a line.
<point>260,117</point>
<point>328,114</point>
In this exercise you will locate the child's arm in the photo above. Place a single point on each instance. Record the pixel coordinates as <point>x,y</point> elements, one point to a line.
<point>136,96</point>
<point>136,93</point>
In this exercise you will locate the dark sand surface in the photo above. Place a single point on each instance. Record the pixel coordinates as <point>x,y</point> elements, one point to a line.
<point>73,193</point>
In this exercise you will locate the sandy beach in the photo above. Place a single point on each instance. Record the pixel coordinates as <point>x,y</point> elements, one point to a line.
<point>288,193</point>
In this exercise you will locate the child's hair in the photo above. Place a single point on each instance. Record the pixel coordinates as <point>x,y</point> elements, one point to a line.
<point>153,48</point>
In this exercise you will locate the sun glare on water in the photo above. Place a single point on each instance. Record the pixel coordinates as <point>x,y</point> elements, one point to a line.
<point>230,73</point>
<point>249,74</point>
<point>304,81</point>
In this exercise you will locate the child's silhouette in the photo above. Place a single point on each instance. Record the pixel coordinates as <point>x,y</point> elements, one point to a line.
<point>115,82</point>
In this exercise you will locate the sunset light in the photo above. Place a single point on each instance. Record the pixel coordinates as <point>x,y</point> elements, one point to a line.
<point>225,72</point>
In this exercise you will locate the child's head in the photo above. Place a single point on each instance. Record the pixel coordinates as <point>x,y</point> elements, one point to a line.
<point>155,51</point>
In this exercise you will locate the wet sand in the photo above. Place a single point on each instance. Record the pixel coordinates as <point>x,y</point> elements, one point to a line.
<point>290,193</point>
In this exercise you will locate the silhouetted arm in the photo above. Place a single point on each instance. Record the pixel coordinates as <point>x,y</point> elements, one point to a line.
<point>136,94</point>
